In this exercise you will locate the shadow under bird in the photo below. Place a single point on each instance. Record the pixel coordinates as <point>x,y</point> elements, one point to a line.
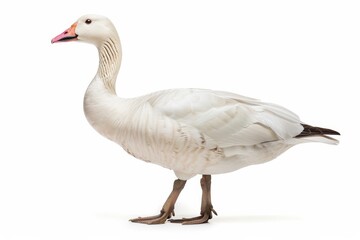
<point>190,131</point>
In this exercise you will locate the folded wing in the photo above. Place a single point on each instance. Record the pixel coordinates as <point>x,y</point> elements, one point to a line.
<point>226,118</point>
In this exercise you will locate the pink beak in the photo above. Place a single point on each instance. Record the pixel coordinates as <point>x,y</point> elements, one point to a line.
<point>68,35</point>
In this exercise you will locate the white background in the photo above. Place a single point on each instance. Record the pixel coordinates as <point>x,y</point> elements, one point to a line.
<point>59,179</point>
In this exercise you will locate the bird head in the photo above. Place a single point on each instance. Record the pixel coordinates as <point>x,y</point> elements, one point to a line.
<point>90,28</point>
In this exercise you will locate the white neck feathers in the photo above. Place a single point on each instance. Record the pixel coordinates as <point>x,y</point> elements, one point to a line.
<point>109,62</point>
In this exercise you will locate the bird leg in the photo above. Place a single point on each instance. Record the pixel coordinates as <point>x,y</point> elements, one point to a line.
<point>167,209</point>
<point>206,207</point>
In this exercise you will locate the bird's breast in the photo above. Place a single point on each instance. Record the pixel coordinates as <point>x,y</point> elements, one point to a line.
<point>158,139</point>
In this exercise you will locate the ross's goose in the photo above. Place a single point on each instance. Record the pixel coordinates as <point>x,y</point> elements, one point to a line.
<point>190,131</point>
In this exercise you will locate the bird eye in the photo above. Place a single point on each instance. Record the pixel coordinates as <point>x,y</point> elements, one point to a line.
<point>88,21</point>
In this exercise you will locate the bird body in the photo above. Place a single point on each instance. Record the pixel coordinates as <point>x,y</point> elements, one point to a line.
<point>195,131</point>
<point>191,131</point>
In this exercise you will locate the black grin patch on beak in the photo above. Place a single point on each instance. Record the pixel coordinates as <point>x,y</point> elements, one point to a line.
<point>68,38</point>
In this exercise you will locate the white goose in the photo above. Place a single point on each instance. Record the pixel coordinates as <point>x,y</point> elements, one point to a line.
<point>191,131</point>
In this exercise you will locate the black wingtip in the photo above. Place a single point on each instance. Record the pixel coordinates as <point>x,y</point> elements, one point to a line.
<point>312,131</point>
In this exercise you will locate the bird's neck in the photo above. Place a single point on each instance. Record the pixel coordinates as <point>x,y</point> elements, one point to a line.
<point>100,97</point>
<point>109,63</point>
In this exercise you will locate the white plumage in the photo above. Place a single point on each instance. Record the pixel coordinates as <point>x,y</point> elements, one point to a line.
<point>191,131</point>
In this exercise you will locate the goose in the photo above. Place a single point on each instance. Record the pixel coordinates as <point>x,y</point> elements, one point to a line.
<point>190,131</point>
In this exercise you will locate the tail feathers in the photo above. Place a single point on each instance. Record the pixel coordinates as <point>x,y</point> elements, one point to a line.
<point>317,134</point>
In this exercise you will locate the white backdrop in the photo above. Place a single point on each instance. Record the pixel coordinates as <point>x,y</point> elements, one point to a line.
<point>59,179</point>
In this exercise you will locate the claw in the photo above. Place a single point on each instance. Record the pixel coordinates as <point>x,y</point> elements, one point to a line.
<point>157,219</point>
<point>213,210</point>
<point>204,218</point>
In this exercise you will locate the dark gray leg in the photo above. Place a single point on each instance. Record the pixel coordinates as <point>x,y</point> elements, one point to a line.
<point>168,208</point>
<point>206,206</point>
